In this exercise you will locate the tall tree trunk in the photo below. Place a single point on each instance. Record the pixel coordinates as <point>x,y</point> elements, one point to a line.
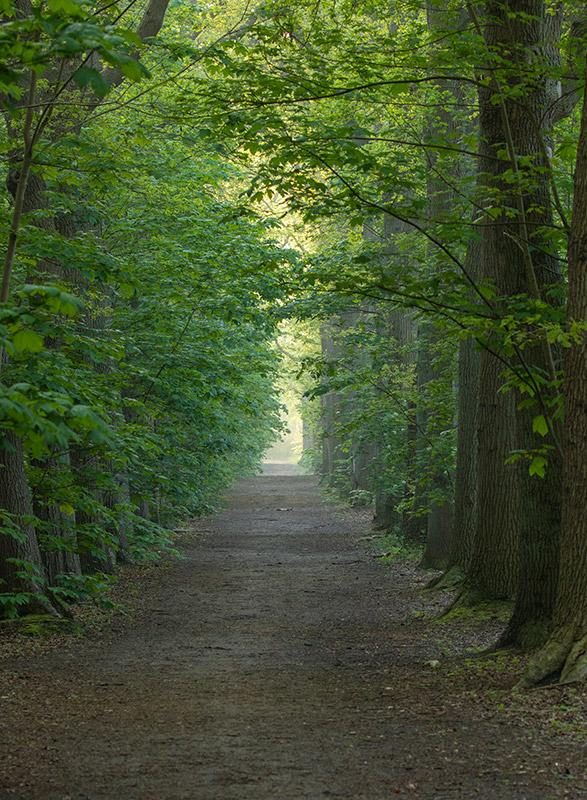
<point>15,491</point>
<point>331,447</point>
<point>465,504</point>
<point>95,556</point>
<point>466,500</point>
<point>516,543</point>
<point>492,572</point>
<point>398,329</point>
<point>565,652</point>
<point>16,500</point>
<point>361,446</point>
<point>61,526</point>
<point>441,205</point>
<point>431,424</point>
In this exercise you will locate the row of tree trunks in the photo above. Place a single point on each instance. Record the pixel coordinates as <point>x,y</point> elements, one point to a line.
<point>16,498</point>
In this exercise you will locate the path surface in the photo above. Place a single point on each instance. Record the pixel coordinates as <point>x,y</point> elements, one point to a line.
<point>275,662</point>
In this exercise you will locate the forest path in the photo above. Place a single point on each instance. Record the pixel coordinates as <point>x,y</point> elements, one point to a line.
<point>278,661</point>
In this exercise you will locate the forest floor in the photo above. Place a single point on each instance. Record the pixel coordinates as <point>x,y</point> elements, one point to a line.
<point>280,660</point>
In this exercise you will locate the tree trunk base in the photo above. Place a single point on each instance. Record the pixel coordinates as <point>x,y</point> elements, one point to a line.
<point>472,603</point>
<point>466,598</point>
<point>563,659</point>
<point>432,562</point>
<point>528,635</point>
<point>39,604</point>
<point>451,578</point>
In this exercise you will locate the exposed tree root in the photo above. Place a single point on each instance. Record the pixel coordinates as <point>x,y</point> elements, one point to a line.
<point>39,604</point>
<point>473,604</point>
<point>466,598</point>
<point>450,579</point>
<point>575,669</point>
<point>60,606</point>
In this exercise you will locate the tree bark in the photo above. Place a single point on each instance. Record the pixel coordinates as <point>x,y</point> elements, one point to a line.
<point>565,652</point>
<point>441,205</point>
<point>16,500</point>
<point>331,449</point>
<point>57,560</point>
<point>15,491</point>
<point>465,504</point>
<point>518,524</point>
<point>466,499</point>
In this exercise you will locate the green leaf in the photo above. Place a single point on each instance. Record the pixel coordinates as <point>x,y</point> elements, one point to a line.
<point>133,69</point>
<point>66,7</point>
<point>86,76</point>
<point>540,425</point>
<point>26,341</point>
<point>538,466</point>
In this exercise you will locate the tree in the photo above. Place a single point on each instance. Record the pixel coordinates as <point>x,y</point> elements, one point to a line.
<point>565,652</point>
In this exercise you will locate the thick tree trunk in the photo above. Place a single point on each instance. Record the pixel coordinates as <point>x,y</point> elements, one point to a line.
<point>518,527</point>
<point>441,205</point>
<point>15,499</point>
<point>15,491</point>
<point>438,537</point>
<point>492,571</point>
<point>565,652</point>
<point>465,504</point>
<point>61,526</point>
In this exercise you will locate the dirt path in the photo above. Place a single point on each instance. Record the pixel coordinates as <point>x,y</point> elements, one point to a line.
<point>276,662</point>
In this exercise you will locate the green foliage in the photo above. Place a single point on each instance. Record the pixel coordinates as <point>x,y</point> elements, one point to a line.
<point>70,588</point>
<point>140,370</point>
<point>67,30</point>
<point>394,547</point>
